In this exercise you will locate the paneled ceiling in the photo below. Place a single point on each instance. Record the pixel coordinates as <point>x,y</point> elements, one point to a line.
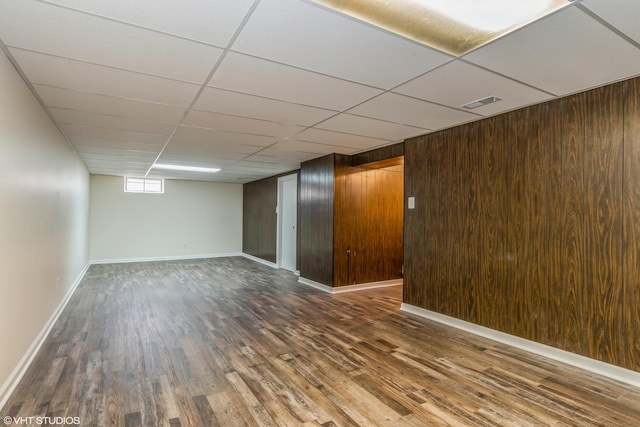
<point>256,87</point>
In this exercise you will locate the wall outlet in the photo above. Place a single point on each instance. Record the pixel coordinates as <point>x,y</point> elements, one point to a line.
<point>57,283</point>
<point>184,246</point>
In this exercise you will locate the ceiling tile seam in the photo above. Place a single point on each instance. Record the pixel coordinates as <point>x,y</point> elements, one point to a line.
<point>26,81</point>
<point>504,76</point>
<point>267,98</point>
<point>97,140</point>
<point>240,117</point>
<point>118,116</point>
<point>608,25</point>
<point>82,61</point>
<point>110,128</point>
<point>129,24</point>
<point>308,70</point>
<point>384,141</point>
<point>87,92</point>
<point>570,4</point>
<point>231,131</point>
<point>204,84</point>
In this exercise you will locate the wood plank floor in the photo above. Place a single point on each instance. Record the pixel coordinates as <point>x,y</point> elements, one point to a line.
<point>231,342</point>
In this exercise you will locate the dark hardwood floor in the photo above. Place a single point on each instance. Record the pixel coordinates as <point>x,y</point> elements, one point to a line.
<point>231,342</point>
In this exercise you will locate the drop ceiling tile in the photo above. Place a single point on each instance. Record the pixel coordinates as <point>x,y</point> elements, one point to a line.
<point>459,83</point>
<point>121,153</point>
<point>180,145</point>
<point>255,76</point>
<point>312,147</point>
<point>102,104</point>
<point>64,73</point>
<point>263,168</point>
<point>75,131</point>
<point>200,155</point>
<point>340,139</point>
<point>276,161</point>
<point>62,32</point>
<point>97,170</point>
<point>238,104</point>
<point>288,154</point>
<point>223,137</point>
<point>98,143</point>
<point>562,53</point>
<point>209,21</point>
<point>295,33</point>
<point>73,117</point>
<point>622,14</point>
<point>412,112</point>
<point>348,123</point>
<point>240,124</point>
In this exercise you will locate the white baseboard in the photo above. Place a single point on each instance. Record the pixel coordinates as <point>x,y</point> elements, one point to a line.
<point>16,375</point>
<point>314,284</point>
<point>364,286</point>
<point>349,288</point>
<point>164,258</point>
<point>617,373</point>
<point>260,260</point>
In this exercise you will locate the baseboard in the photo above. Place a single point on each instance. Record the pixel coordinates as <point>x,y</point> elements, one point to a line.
<point>317,285</point>
<point>164,258</point>
<point>614,372</point>
<point>16,375</point>
<point>260,260</point>
<point>364,286</point>
<point>349,288</point>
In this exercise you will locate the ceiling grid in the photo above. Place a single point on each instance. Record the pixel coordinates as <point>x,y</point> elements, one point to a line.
<point>255,87</point>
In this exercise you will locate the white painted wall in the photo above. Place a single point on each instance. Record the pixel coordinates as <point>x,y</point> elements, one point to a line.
<point>191,219</point>
<point>44,205</point>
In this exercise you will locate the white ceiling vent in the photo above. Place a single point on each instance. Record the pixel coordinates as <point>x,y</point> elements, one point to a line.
<point>481,102</point>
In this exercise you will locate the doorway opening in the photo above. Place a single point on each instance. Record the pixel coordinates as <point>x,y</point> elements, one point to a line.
<point>287,229</point>
<point>369,223</point>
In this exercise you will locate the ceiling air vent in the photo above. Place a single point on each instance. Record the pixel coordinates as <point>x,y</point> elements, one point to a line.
<point>481,102</point>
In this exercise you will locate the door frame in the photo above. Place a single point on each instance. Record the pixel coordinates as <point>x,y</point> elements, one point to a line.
<point>281,181</point>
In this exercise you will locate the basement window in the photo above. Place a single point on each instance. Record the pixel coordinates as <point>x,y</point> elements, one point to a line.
<point>143,185</point>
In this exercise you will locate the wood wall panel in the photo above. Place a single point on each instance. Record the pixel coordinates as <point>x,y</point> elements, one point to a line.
<point>382,153</point>
<point>316,206</point>
<point>631,223</point>
<point>343,221</point>
<point>568,291</point>
<point>527,223</point>
<point>603,230</point>
<point>259,218</point>
<point>369,213</point>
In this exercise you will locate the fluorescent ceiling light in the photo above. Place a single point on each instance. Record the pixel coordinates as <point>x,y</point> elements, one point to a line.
<point>184,168</point>
<point>452,26</point>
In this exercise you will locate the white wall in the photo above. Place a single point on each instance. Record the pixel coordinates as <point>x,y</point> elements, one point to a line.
<point>44,205</point>
<point>191,218</point>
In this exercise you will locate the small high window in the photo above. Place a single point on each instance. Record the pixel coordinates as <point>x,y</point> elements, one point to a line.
<point>143,185</point>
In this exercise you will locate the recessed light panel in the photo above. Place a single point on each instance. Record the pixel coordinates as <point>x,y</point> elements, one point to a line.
<point>184,168</point>
<point>452,26</point>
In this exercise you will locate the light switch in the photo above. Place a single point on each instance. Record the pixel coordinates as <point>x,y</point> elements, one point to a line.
<point>412,202</point>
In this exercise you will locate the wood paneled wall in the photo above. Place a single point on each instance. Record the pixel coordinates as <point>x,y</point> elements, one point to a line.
<point>259,218</point>
<point>315,212</point>
<point>377,155</point>
<point>368,223</point>
<point>529,223</point>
